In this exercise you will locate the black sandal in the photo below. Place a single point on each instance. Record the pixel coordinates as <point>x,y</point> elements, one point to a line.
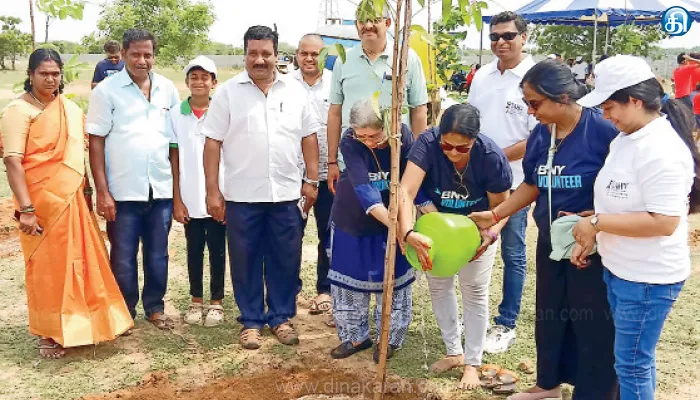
<point>346,349</point>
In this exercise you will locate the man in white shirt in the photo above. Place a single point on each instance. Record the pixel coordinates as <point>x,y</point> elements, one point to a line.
<point>129,154</point>
<point>318,85</point>
<point>495,91</point>
<point>580,69</point>
<point>263,122</point>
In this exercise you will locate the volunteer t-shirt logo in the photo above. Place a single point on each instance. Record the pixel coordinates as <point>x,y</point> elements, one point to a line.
<point>617,189</point>
<point>559,180</point>
<point>513,108</point>
<point>380,180</point>
<point>456,200</point>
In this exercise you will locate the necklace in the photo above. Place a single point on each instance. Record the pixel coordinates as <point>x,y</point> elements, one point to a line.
<point>461,178</point>
<point>570,129</point>
<point>37,100</point>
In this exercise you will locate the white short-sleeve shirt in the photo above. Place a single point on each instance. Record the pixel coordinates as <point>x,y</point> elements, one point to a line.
<point>499,99</point>
<point>652,171</point>
<point>261,137</point>
<point>319,94</point>
<point>187,130</point>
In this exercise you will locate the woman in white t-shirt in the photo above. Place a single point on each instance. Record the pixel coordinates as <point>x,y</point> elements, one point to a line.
<point>642,195</point>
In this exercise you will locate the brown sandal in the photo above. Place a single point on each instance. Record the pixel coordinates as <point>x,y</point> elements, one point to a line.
<point>49,349</point>
<point>161,321</point>
<point>318,306</point>
<point>286,333</point>
<point>250,338</point>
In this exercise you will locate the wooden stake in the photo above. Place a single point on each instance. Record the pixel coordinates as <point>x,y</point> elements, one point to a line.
<point>397,97</point>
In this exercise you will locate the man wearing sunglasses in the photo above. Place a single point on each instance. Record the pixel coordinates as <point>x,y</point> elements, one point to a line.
<point>495,91</point>
<point>110,65</point>
<point>368,69</point>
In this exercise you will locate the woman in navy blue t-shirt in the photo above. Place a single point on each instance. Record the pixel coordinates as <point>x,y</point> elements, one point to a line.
<point>359,230</point>
<point>573,329</point>
<point>460,171</point>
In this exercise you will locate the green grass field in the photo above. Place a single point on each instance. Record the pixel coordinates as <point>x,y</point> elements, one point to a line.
<point>194,355</point>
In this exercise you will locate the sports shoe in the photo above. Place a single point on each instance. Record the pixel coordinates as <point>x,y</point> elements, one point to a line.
<point>498,339</point>
<point>194,314</point>
<point>215,315</point>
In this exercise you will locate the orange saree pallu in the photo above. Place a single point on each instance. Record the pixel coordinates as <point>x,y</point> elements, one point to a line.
<point>72,295</point>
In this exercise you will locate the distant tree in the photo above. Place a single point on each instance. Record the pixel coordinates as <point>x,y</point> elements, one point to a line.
<point>13,43</point>
<point>92,44</point>
<point>67,47</point>
<point>286,48</point>
<point>572,41</point>
<point>181,27</point>
<point>60,9</point>
<point>219,49</point>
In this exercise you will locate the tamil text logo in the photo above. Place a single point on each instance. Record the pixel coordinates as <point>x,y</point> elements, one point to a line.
<point>676,21</point>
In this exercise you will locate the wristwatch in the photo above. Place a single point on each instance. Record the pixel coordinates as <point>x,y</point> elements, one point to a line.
<point>594,222</point>
<point>311,182</point>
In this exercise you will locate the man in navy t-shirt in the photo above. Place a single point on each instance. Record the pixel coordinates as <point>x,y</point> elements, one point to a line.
<point>110,65</point>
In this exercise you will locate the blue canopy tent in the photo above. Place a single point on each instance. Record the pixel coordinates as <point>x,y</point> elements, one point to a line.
<point>607,13</point>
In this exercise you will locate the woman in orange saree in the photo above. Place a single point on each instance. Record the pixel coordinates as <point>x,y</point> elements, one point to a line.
<point>72,296</point>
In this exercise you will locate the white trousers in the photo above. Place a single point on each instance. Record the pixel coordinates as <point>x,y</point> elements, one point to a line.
<point>474,280</point>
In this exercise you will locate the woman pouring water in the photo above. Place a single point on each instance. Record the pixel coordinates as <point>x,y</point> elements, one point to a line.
<point>564,154</point>
<point>461,171</point>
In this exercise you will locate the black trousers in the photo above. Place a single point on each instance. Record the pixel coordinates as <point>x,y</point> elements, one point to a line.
<point>322,214</point>
<point>574,329</point>
<point>200,232</point>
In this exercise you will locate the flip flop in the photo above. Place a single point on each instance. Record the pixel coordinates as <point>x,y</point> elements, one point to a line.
<point>505,389</point>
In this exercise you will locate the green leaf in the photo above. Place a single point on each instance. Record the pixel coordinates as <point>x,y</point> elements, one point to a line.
<point>379,7</point>
<point>476,13</point>
<point>322,56</point>
<point>446,10</point>
<point>341,52</point>
<point>404,110</point>
<point>464,12</point>
<point>375,104</point>
<point>62,13</point>
<point>424,35</point>
<point>421,3</point>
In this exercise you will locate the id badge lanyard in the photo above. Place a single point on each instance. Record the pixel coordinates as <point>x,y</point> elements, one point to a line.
<point>550,161</point>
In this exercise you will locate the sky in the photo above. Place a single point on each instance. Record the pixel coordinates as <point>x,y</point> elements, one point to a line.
<point>294,18</point>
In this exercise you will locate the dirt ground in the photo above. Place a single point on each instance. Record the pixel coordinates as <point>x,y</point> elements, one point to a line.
<point>277,372</point>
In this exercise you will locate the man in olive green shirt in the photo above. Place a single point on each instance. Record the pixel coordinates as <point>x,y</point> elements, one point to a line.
<point>368,69</point>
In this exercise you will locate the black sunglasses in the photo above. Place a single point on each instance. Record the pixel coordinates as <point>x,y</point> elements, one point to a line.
<point>495,37</point>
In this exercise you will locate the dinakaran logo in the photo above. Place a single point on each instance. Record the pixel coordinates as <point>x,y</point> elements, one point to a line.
<point>676,21</point>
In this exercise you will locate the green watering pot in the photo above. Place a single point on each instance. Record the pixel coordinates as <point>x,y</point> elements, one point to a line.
<point>454,241</point>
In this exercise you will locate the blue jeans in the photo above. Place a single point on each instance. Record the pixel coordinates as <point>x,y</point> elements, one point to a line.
<point>639,311</point>
<point>514,268</point>
<point>264,242</point>
<point>148,222</point>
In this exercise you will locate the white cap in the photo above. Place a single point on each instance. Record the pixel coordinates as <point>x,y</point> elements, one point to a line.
<point>615,73</point>
<point>579,58</point>
<point>205,63</point>
<point>552,56</point>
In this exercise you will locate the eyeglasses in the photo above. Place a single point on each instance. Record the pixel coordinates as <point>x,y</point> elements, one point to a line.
<point>376,140</point>
<point>534,104</point>
<point>495,37</point>
<point>462,148</point>
<point>304,55</point>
